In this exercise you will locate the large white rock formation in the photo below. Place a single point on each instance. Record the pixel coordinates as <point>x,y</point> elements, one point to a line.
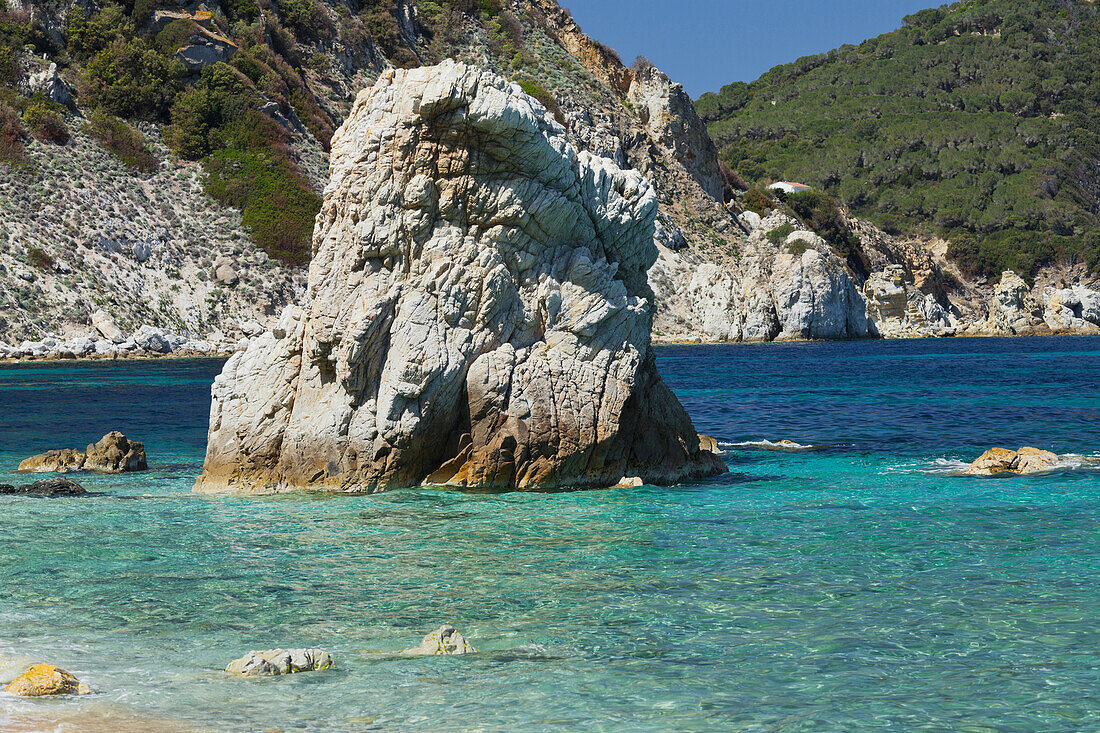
<point>478,313</point>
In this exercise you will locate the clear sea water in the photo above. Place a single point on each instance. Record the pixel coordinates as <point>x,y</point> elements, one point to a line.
<point>861,586</point>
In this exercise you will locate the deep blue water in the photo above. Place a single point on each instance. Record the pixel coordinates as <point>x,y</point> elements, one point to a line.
<point>862,586</point>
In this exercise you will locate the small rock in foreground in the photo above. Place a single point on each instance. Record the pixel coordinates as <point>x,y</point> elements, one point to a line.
<point>47,487</point>
<point>274,662</point>
<point>1000,460</point>
<point>46,679</point>
<point>444,640</point>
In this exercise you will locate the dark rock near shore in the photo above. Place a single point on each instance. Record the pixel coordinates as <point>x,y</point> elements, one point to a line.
<point>46,488</point>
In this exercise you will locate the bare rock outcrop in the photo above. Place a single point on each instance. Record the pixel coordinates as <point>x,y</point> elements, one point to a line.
<point>669,116</point>
<point>478,313</point>
<point>791,290</point>
<point>113,453</point>
<point>1001,460</point>
<point>1014,310</point>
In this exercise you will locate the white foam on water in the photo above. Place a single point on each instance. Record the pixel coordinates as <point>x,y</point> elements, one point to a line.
<point>789,446</point>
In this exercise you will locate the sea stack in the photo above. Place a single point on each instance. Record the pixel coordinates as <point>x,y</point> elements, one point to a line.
<point>478,313</point>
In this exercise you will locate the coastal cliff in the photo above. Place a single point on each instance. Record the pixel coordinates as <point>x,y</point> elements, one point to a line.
<point>478,313</point>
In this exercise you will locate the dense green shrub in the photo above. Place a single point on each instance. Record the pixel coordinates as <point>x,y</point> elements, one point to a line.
<point>308,19</point>
<point>44,121</point>
<point>133,80</point>
<point>546,98</point>
<point>247,163</point>
<point>758,200</point>
<point>86,36</point>
<point>255,174</point>
<point>40,258</point>
<point>124,141</point>
<point>12,134</point>
<point>779,235</point>
<point>379,18</point>
<point>173,36</point>
<point>821,213</point>
<point>202,116</point>
<point>975,120</point>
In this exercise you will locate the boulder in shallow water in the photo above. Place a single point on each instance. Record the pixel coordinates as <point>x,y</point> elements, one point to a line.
<point>274,662</point>
<point>478,313</point>
<point>48,488</point>
<point>54,461</point>
<point>1001,460</point>
<point>114,453</point>
<point>444,640</point>
<point>46,679</point>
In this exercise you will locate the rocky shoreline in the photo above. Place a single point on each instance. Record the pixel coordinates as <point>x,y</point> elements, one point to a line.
<point>225,351</point>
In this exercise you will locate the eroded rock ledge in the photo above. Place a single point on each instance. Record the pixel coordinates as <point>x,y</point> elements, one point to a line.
<point>478,313</point>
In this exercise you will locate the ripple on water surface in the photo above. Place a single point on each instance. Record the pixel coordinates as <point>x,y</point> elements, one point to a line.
<point>857,587</point>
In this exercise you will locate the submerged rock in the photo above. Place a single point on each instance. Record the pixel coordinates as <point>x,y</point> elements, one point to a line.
<point>478,313</point>
<point>274,662</point>
<point>47,487</point>
<point>444,640</point>
<point>113,453</point>
<point>1000,460</point>
<point>46,679</point>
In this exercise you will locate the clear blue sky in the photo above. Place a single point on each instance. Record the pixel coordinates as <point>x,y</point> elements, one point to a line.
<point>704,44</point>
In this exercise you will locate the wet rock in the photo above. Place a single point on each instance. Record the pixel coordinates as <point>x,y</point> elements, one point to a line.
<point>48,488</point>
<point>273,662</point>
<point>1000,460</point>
<point>46,679</point>
<point>444,640</point>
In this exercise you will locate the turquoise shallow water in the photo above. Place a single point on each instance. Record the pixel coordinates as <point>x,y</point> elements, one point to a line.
<point>856,587</point>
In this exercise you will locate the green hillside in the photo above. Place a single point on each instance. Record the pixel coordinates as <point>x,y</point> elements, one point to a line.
<point>977,120</point>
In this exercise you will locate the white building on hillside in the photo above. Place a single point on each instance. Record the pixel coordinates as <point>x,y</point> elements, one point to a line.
<point>788,187</point>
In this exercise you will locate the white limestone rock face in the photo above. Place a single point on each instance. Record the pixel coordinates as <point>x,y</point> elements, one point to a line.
<point>1072,310</point>
<point>796,290</point>
<point>897,309</point>
<point>478,313</point>
<point>669,116</point>
<point>1013,308</point>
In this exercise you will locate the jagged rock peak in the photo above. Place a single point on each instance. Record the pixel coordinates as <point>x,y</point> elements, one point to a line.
<point>478,313</point>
